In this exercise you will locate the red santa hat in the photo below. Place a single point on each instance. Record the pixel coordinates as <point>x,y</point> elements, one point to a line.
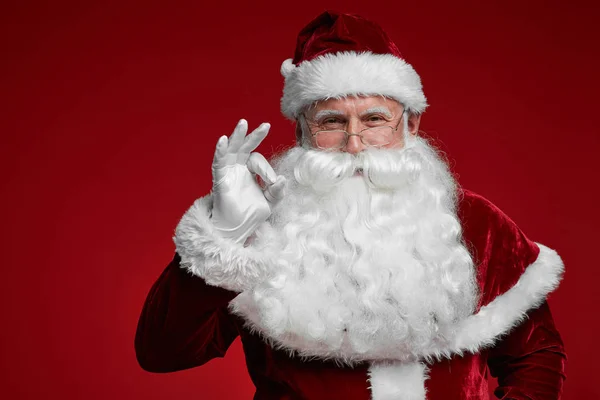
<point>342,54</point>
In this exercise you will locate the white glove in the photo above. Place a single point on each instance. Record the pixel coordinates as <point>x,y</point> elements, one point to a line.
<point>240,204</point>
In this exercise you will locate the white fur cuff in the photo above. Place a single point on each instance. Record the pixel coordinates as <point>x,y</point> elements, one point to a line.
<point>218,260</point>
<point>398,381</point>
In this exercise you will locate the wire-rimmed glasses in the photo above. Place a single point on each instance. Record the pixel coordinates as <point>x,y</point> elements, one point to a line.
<point>377,136</point>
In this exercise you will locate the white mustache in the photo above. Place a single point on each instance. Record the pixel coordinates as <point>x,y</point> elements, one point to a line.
<point>381,168</point>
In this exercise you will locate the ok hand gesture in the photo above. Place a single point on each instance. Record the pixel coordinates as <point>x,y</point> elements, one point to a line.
<point>240,204</point>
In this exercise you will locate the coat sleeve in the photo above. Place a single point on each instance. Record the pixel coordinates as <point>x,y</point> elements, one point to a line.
<point>184,322</point>
<point>530,362</point>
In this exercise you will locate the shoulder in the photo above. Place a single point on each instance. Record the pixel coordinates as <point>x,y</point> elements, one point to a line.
<point>474,206</point>
<point>500,249</point>
<point>485,224</point>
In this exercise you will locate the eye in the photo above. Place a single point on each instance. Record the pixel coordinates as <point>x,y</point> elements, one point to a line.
<point>331,120</point>
<point>332,123</point>
<point>375,118</point>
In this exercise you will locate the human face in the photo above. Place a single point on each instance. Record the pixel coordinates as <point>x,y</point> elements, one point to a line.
<point>353,114</point>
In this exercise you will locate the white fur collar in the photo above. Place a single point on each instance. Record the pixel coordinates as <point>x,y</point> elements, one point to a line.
<point>232,266</point>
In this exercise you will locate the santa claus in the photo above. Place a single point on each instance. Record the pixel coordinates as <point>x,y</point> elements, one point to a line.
<point>357,268</point>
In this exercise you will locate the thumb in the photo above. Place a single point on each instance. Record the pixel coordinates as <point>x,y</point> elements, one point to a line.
<point>275,192</point>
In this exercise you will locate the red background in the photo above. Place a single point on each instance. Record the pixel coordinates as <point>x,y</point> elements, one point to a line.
<point>110,113</point>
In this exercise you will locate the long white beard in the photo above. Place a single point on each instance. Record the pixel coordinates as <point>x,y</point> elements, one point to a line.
<point>368,267</point>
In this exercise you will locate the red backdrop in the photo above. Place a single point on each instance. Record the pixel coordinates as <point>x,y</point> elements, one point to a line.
<point>110,113</point>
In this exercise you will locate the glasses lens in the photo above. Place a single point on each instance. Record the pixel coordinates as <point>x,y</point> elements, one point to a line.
<point>378,136</point>
<point>330,139</point>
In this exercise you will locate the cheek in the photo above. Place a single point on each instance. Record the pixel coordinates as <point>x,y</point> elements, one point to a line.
<point>312,141</point>
<point>397,143</point>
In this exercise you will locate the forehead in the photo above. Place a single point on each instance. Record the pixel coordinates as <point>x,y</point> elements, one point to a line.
<point>355,104</point>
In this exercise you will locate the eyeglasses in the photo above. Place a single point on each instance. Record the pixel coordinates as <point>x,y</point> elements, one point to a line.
<point>377,136</point>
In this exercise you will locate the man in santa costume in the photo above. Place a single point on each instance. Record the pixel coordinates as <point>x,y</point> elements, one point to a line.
<point>357,268</point>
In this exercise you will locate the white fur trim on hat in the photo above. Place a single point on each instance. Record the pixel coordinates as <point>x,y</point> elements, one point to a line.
<point>398,381</point>
<point>350,73</point>
<point>219,261</point>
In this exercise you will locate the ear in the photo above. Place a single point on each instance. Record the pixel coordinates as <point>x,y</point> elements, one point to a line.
<point>414,120</point>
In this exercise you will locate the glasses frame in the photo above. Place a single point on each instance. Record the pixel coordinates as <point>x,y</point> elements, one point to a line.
<point>359,134</point>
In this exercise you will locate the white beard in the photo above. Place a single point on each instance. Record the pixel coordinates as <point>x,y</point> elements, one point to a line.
<point>369,267</point>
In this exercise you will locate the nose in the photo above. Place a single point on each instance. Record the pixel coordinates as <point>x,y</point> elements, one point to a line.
<point>355,144</point>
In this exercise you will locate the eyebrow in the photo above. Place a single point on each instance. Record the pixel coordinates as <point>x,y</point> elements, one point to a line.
<point>327,113</point>
<point>336,113</point>
<point>374,110</point>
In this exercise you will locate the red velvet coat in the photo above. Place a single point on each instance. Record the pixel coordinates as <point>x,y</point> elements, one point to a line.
<point>528,362</point>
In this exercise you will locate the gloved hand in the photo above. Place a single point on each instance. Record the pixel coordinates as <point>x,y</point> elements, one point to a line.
<point>240,204</point>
